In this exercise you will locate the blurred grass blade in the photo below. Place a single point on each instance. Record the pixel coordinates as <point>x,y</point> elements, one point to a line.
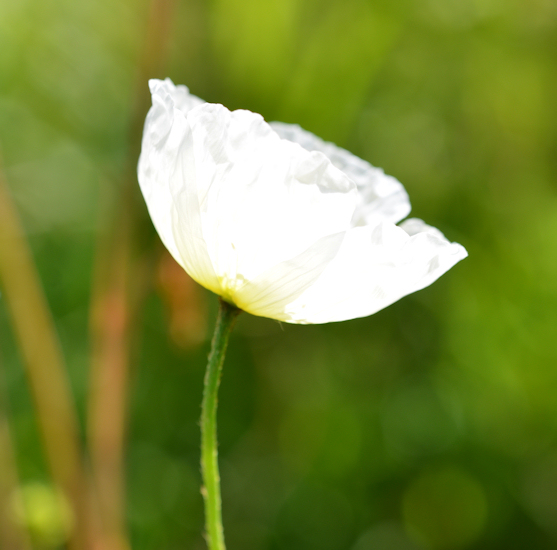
<point>46,372</point>
<point>116,297</point>
<point>110,328</point>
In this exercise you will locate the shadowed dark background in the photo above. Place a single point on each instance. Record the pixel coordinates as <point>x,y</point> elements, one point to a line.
<point>430,425</point>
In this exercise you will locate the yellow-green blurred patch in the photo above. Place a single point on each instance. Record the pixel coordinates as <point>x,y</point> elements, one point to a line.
<point>445,508</point>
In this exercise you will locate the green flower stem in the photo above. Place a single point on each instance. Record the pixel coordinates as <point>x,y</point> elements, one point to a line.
<point>209,455</point>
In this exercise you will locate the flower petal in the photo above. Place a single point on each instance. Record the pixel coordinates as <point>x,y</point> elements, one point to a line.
<point>183,100</point>
<point>161,176</point>
<point>381,197</point>
<point>277,221</point>
<point>263,200</point>
<point>269,294</point>
<point>374,268</point>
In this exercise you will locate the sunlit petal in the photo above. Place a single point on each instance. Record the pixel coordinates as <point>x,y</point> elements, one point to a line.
<point>380,197</point>
<point>263,200</point>
<point>277,221</point>
<point>173,205</point>
<point>374,268</point>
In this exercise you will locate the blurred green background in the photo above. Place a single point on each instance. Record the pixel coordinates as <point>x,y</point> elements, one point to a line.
<point>430,425</point>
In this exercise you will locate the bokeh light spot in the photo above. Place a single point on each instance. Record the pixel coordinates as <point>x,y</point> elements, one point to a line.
<point>445,508</point>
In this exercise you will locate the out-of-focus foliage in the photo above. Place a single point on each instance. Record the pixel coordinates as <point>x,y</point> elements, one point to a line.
<point>430,425</point>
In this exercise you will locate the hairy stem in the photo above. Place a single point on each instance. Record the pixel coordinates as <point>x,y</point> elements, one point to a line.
<point>209,454</point>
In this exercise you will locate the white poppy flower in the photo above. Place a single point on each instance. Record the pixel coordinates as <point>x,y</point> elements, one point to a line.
<point>276,221</point>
